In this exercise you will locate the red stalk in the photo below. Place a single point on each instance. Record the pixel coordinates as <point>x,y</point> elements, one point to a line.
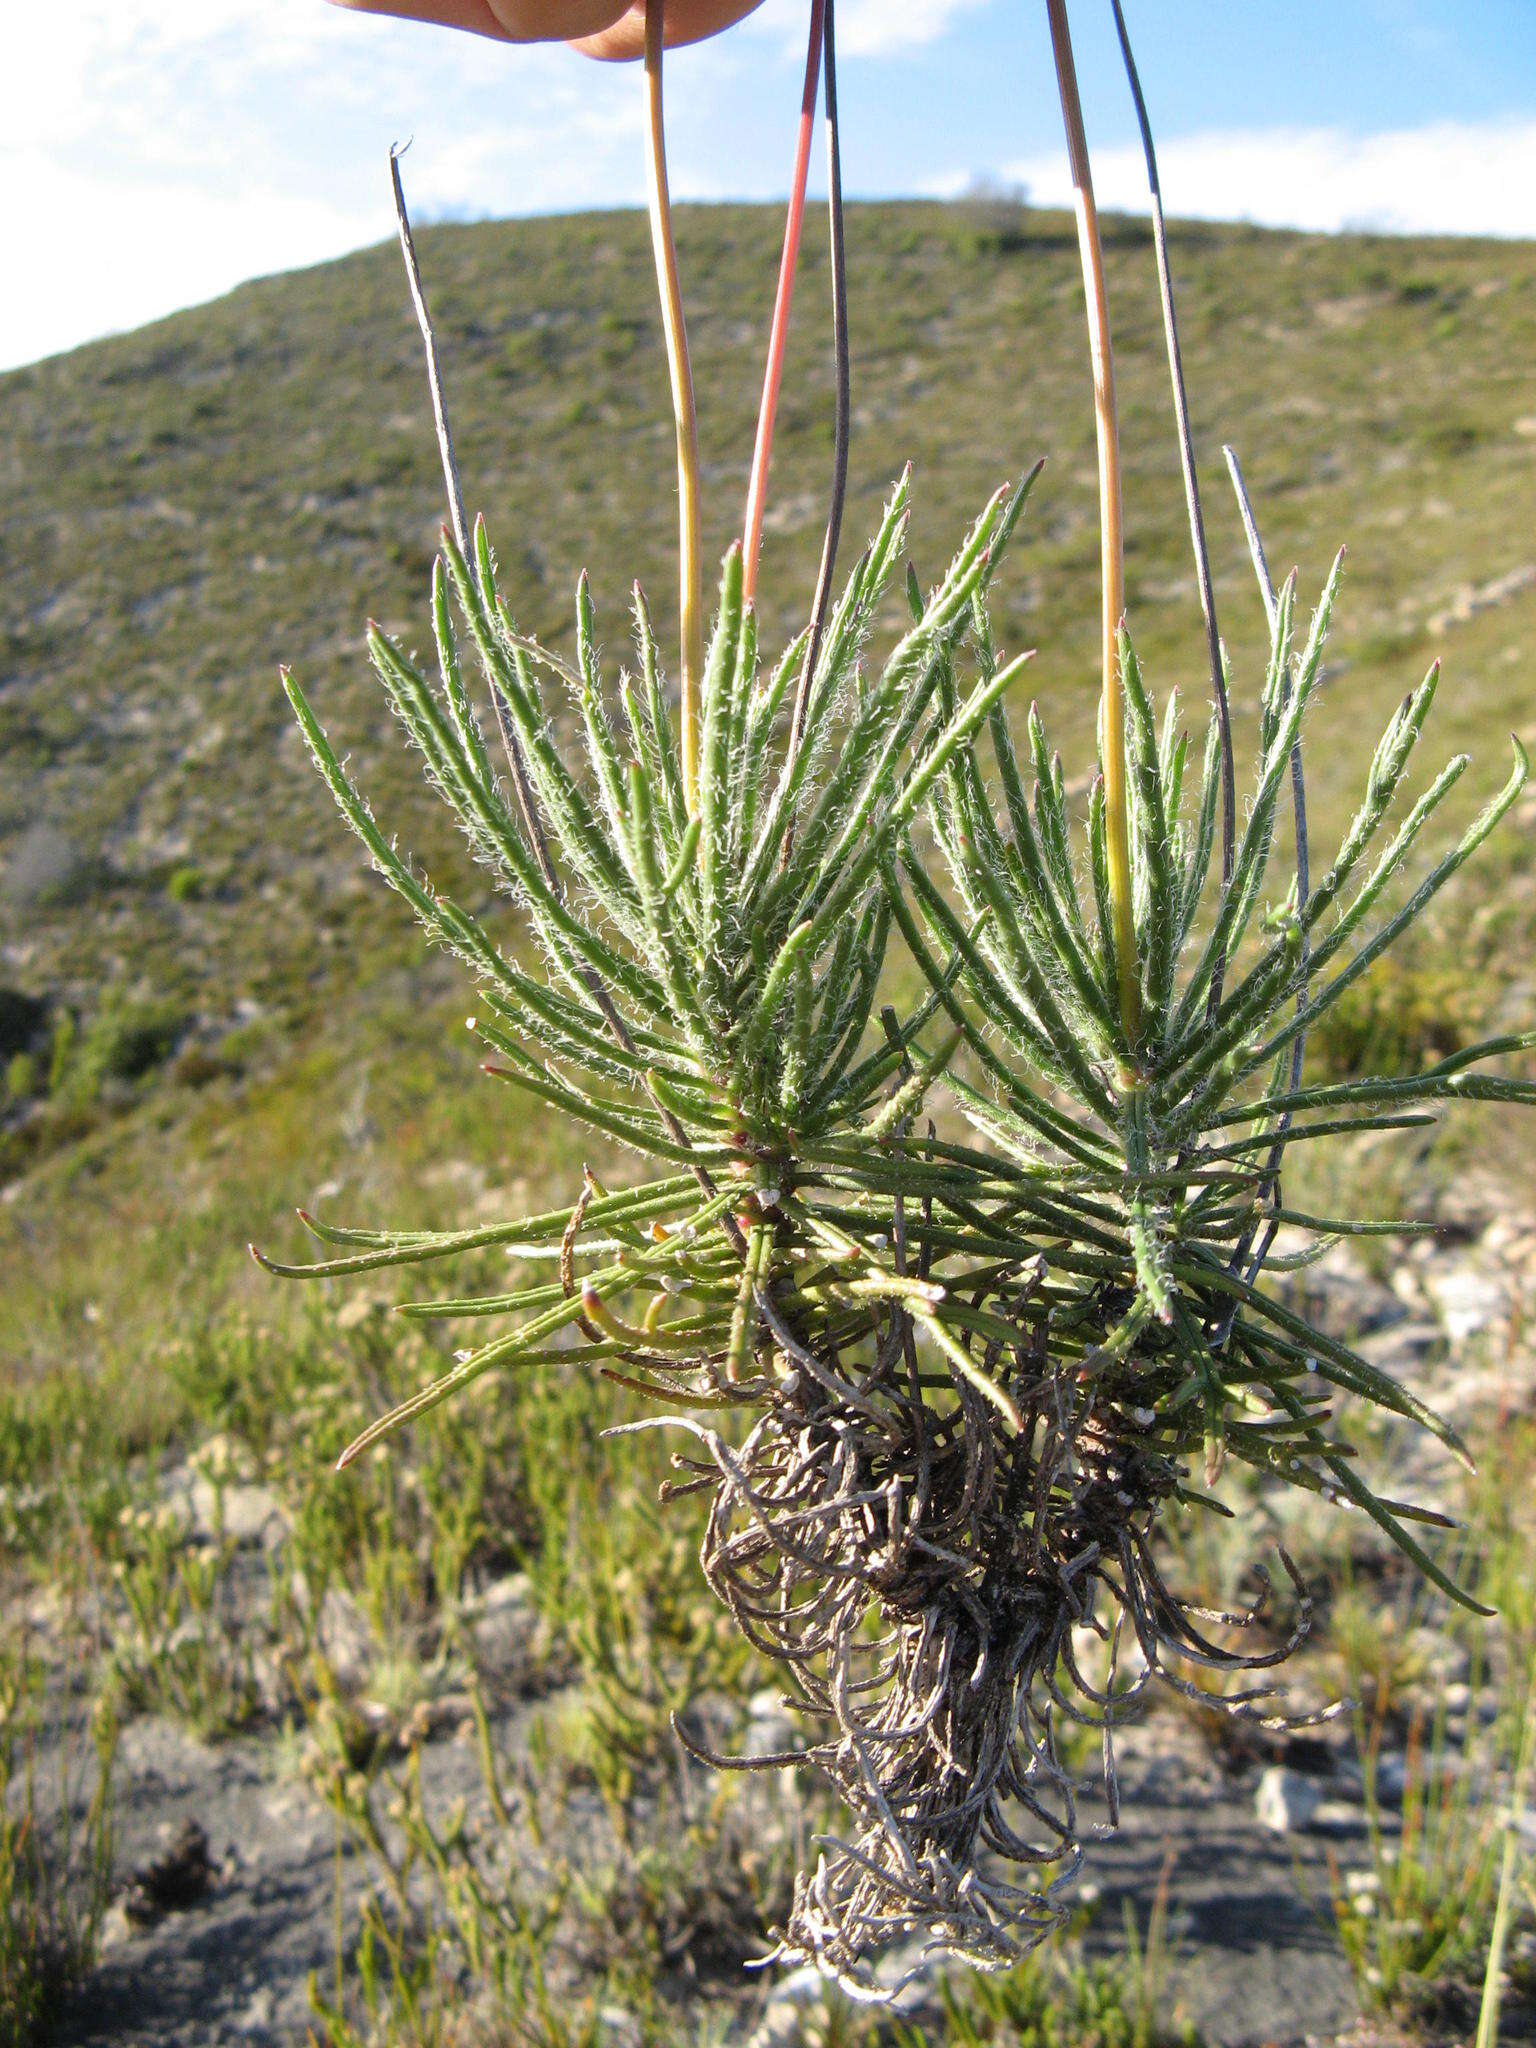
<point>762,453</point>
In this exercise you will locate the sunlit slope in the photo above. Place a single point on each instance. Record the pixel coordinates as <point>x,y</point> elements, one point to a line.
<point>236,1014</point>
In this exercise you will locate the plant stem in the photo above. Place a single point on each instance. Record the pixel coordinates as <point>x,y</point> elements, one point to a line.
<point>773,376</point>
<point>440,420</point>
<point>841,399</point>
<point>1111,526</point>
<point>1191,478</point>
<point>526,805</point>
<point>1488,2013</point>
<point>690,567</point>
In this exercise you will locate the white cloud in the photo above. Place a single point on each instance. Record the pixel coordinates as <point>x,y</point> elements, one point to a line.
<point>877,28</point>
<point>151,246</point>
<point>164,150</point>
<point>1447,178</point>
<point>865,28</point>
<point>169,149</point>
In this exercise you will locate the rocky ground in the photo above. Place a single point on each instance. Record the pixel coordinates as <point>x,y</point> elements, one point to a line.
<point>234,1876</point>
<point>228,1960</point>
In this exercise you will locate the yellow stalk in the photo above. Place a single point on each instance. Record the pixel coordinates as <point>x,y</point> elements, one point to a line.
<point>690,569</point>
<point>1111,526</point>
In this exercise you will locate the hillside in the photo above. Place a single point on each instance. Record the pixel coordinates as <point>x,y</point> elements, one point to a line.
<point>209,1011</point>
<point>184,507</point>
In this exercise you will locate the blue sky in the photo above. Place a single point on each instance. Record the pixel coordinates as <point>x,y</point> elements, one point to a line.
<point>167,149</point>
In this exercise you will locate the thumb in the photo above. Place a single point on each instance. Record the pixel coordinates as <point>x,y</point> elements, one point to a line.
<point>687,21</point>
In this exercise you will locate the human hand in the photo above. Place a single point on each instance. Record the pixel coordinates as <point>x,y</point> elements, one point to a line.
<point>613,29</point>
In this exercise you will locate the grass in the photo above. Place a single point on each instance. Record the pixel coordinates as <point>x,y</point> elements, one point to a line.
<point>1417,1922</point>
<point>208,1013</point>
<point>55,1861</point>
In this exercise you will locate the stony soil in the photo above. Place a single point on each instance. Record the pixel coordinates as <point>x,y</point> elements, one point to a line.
<point>1241,1836</point>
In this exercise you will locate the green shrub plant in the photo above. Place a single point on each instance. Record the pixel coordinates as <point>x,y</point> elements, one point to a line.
<point>947,1309</point>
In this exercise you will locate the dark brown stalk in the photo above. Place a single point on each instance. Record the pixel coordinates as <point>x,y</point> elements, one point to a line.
<point>841,402</point>
<point>525,798</point>
<point>1191,487</point>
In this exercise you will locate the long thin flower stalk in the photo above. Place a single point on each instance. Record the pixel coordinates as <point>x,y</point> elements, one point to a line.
<point>517,762</point>
<point>842,382</point>
<point>1191,477</point>
<point>1111,526</point>
<point>690,559</point>
<point>778,335</point>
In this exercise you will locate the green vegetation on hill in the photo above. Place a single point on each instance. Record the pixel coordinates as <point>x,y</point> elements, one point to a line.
<point>234,1012</point>
<point>210,1011</point>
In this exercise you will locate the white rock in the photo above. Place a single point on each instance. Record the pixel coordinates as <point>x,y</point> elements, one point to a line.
<point>912,1974</point>
<point>770,1728</point>
<point>116,1929</point>
<point>1407,1285</point>
<point>617,2027</point>
<point>503,1617</point>
<point>801,1989</point>
<point>515,1590</point>
<point>224,1510</point>
<point>908,1976</point>
<point>1467,1300</point>
<point>779,2027</point>
<point>795,1995</point>
<point>1286,1800</point>
<point>1505,1229</point>
<point>240,1514</point>
<point>258,2016</point>
<point>1335,1817</point>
